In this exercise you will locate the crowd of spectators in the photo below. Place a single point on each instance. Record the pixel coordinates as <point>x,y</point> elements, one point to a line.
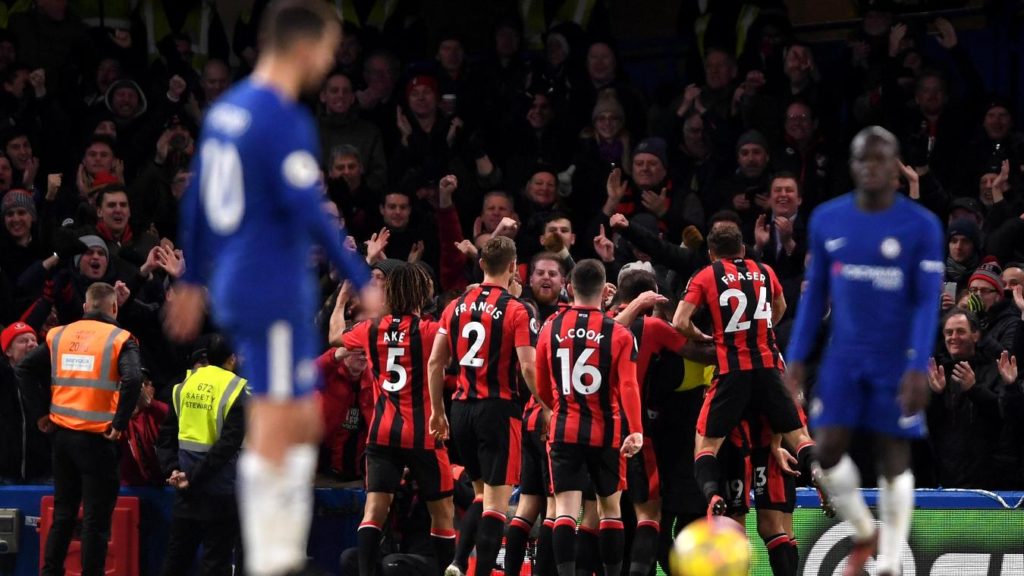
<point>554,147</point>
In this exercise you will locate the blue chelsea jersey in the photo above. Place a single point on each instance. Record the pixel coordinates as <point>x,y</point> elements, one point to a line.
<point>881,273</point>
<point>253,209</point>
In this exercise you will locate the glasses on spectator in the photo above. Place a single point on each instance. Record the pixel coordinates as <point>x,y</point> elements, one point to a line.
<point>798,117</point>
<point>981,290</point>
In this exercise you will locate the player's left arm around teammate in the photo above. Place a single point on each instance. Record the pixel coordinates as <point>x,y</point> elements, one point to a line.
<point>683,321</point>
<point>640,305</point>
<point>440,355</point>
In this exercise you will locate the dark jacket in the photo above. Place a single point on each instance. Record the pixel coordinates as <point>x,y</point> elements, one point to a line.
<point>788,267</point>
<point>24,450</point>
<point>198,500</point>
<point>963,426</point>
<point>1000,323</point>
<point>34,379</point>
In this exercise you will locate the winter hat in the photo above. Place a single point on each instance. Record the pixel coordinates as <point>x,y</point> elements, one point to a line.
<point>607,103</point>
<point>12,332</point>
<point>126,83</point>
<point>388,265</point>
<point>752,137</point>
<point>92,241</point>
<point>422,80</point>
<point>654,146</point>
<point>964,227</point>
<point>18,199</point>
<point>989,272</point>
<point>967,203</point>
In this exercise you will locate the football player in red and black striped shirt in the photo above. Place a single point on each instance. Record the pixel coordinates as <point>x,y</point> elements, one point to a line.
<point>745,300</point>
<point>654,336</point>
<point>398,347</point>
<point>487,330</point>
<point>586,370</point>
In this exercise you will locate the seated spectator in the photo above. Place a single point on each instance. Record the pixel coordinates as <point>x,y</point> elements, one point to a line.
<point>964,251</point>
<point>377,99</point>
<point>603,144</point>
<point>547,283</point>
<point>24,450</point>
<point>996,142</point>
<point>140,465</point>
<point>215,80</point>
<point>746,191</point>
<point>781,236</point>
<point>498,205</point>
<point>99,166</point>
<point>964,412</point>
<point>538,135</point>
<point>340,124</point>
<point>6,173</point>
<point>346,401</point>
<point>998,201</point>
<point>651,191</point>
<point>24,164</point>
<point>604,72</point>
<point>347,188</point>
<point>805,153</point>
<point>23,243</point>
<point>999,318</point>
<point>113,224</point>
<point>1013,276</point>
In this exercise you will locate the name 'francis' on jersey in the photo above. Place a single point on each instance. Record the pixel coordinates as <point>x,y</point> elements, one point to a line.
<point>484,327</point>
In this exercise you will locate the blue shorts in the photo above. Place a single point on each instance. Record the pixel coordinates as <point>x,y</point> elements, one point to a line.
<point>862,393</point>
<point>278,357</point>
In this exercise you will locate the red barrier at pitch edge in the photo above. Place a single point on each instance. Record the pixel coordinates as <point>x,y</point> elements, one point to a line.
<point>122,548</point>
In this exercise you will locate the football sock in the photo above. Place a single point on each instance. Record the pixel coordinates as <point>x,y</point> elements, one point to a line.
<point>895,507</point>
<point>612,542</point>
<point>842,484</point>
<point>645,546</point>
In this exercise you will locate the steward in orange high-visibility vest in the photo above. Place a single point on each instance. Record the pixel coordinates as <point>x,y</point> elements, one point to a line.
<point>94,374</point>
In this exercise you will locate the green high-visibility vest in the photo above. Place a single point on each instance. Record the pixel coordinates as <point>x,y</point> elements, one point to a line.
<point>201,403</point>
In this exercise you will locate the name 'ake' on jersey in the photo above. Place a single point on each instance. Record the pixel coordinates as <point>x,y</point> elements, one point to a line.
<point>882,273</point>
<point>252,211</point>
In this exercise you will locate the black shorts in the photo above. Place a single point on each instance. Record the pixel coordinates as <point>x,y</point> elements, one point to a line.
<point>642,478</point>
<point>732,393</point>
<point>429,468</point>
<point>773,488</point>
<point>487,434</point>
<point>734,465</point>
<point>535,475</point>
<point>575,467</point>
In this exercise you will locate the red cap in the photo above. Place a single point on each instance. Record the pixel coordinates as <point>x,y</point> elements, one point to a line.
<point>12,332</point>
<point>422,80</point>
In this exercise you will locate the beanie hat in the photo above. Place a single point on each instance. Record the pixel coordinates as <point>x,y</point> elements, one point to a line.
<point>654,146</point>
<point>388,265</point>
<point>752,137</point>
<point>989,272</point>
<point>18,199</point>
<point>12,332</point>
<point>964,227</point>
<point>422,80</point>
<point>967,203</point>
<point>607,103</point>
<point>92,241</point>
